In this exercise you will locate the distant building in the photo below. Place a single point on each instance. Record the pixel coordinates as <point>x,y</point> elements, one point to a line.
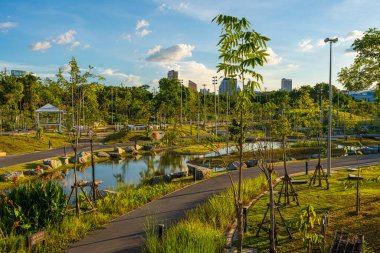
<point>228,85</point>
<point>192,85</point>
<point>19,73</point>
<point>172,74</point>
<point>286,84</point>
<point>367,95</point>
<point>205,91</point>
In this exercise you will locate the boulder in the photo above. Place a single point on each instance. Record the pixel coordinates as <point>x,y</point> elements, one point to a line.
<point>178,174</point>
<point>37,172</point>
<point>251,163</point>
<point>202,174</point>
<point>118,150</point>
<point>10,175</point>
<point>147,147</point>
<point>129,149</point>
<point>53,163</point>
<point>82,158</point>
<point>64,160</point>
<point>103,154</point>
<point>44,167</point>
<point>235,165</point>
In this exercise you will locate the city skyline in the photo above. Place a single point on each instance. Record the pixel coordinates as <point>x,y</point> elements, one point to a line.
<point>140,41</point>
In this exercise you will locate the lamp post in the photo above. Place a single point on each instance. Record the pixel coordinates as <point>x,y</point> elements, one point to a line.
<point>181,83</point>
<point>214,82</point>
<point>330,40</point>
<point>204,106</point>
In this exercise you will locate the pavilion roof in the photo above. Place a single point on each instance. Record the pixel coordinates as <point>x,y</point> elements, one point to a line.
<point>48,108</point>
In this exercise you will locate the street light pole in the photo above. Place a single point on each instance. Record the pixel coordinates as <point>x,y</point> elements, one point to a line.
<point>331,40</point>
<point>214,82</point>
<point>181,82</point>
<point>204,106</point>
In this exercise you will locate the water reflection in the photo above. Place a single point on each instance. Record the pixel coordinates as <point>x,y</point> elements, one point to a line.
<point>136,170</point>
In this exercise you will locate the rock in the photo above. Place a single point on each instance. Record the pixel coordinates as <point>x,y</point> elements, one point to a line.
<point>34,172</point>
<point>53,163</point>
<point>114,154</point>
<point>82,158</point>
<point>178,174</point>
<point>251,163</point>
<point>118,150</point>
<point>202,174</point>
<point>10,175</point>
<point>103,154</point>
<point>129,149</point>
<point>64,160</point>
<point>44,167</point>
<point>235,165</point>
<point>147,148</point>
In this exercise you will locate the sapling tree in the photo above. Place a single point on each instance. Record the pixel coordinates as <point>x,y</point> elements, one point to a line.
<point>306,224</point>
<point>242,50</point>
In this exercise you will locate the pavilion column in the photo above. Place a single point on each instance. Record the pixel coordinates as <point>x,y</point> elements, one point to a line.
<point>38,120</point>
<point>60,123</point>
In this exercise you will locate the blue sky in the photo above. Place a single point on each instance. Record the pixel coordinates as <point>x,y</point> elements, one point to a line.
<point>134,42</point>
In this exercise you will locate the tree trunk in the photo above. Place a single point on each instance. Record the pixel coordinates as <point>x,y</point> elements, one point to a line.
<point>272,237</point>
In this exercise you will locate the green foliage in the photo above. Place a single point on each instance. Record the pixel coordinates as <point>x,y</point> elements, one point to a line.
<point>31,207</point>
<point>306,224</point>
<point>202,229</point>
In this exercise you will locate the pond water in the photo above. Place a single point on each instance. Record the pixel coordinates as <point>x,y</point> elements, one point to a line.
<point>133,171</point>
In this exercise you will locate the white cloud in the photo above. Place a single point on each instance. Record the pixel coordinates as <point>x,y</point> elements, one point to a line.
<point>171,54</point>
<point>143,33</point>
<point>273,58</point>
<point>154,50</point>
<point>306,45</point>
<point>7,25</point>
<point>292,67</point>
<point>142,23</point>
<point>74,45</point>
<point>320,43</point>
<point>41,46</point>
<point>126,36</point>
<point>351,36</point>
<point>132,79</point>
<point>86,46</point>
<point>66,38</point>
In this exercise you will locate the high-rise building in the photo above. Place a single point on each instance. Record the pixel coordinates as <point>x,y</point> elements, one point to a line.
<point>205,91</point>
<point>19,73</point>
<point>192,85</point>
<point>228,85</point>
<point>286,84</point>
<point>172,74</point>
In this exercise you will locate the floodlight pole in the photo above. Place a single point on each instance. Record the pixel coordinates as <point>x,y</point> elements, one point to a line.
<point>331,40</point>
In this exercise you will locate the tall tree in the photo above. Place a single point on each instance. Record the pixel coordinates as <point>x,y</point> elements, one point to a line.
<point>365,71</point>
<point>241,51</point>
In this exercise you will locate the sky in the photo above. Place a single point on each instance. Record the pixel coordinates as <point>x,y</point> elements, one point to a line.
<point>138,42</point>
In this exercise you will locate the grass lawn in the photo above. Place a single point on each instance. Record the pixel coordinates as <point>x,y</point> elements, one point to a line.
<point>199,148</point>
<point>339,201</point>
<point>20,144</point>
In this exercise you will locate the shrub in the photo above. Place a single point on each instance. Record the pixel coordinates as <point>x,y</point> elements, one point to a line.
<point>32,206</point>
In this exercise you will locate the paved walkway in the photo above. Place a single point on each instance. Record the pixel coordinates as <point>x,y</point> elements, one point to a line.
<point>126,233</point>
<point>11,160</point>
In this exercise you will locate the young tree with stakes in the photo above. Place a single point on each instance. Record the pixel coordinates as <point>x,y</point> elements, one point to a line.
<point>241,51</point>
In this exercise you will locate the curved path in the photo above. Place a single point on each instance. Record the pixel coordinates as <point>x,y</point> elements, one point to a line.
<point>126,233</point>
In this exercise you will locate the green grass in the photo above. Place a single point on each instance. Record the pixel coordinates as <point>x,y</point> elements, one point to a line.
<point>27,143</point>
<point>71,228</point>
<point>203,228</point>
<point>199,148</point>
<point>341,204</point>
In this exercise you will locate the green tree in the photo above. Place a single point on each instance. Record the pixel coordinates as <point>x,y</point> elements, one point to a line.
<point>241,51</point>
<point>365,71</point>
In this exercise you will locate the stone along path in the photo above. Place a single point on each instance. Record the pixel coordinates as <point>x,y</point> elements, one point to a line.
<point>126,233</point>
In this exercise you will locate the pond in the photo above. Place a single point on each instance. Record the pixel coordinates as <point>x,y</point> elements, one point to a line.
<point>133,171</point>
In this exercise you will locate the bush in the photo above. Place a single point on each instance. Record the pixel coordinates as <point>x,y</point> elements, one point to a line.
<point>31,207</point>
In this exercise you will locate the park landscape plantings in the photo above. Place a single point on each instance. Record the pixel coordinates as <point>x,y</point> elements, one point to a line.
<point>339,201</point>
<point>203,228</point>
<point>64,229</point>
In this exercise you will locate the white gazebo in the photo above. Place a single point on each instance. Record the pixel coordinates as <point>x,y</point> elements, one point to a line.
<point>48,108</point>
